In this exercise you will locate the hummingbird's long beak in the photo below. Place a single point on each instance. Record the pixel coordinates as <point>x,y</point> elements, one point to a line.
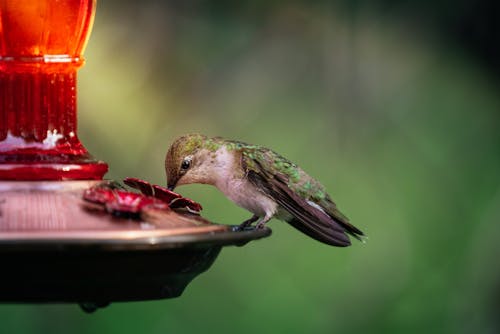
<point>172,181</point>
<point>171,185</point>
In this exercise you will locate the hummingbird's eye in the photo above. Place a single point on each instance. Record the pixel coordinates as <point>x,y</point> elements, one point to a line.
<point>186,163</point>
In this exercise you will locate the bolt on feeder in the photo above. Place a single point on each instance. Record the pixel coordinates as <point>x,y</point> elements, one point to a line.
<point>54,245</point>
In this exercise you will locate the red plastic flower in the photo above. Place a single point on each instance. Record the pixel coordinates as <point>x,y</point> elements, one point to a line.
<point>117,201</point>
<point>174,200</point>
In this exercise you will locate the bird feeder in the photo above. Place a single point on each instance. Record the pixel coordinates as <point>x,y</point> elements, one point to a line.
<point>52,248</point>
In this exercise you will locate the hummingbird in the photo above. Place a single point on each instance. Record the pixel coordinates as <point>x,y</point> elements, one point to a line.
<point>261,181</point>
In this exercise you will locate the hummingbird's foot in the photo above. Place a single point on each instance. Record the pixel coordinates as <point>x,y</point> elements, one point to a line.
<point>262,222</point>
<point>259,225</point>
<point>248,222</point>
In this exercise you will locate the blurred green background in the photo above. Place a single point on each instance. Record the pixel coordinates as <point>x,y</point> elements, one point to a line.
<point>394,106</point>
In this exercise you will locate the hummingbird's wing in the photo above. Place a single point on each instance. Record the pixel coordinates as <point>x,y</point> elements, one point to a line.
<point>308,217</point>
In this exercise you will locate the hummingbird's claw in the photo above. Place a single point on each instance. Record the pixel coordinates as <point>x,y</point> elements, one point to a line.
<point>262,222</point>
<point>260,225</point>
<point>247,222</point>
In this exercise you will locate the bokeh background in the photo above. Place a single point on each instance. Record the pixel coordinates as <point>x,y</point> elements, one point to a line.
<point>393,105</point>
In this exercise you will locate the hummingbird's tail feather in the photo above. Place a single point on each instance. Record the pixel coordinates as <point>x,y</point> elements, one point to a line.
<point>328,236</point>
<point>312,220</point>
<point>343,221</point>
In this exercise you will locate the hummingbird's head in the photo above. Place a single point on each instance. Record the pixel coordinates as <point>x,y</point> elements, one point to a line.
<point>186,161</point>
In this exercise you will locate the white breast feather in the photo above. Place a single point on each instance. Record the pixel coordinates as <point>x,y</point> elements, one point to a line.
<point>240,190</point>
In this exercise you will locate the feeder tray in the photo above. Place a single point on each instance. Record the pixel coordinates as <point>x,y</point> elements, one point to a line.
<point>54,250</point>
